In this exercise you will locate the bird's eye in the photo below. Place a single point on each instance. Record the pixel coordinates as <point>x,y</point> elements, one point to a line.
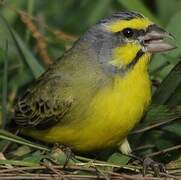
<point>128,32</point>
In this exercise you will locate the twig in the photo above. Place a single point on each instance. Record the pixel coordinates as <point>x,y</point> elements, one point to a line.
<point>55,171</point>
<point>72,176</point>
<point>6,146</point>
<point>114,175</point>
<point>41,41</point>
<point>58,33</point>
<point>164,150</point>
<point>45,176</point>
<point>154,126</point>
<point>147,146</point>
<point>2,157</point>
<point>175,171</point>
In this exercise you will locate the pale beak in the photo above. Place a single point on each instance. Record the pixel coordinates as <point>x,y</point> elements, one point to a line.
<point>155,38</point>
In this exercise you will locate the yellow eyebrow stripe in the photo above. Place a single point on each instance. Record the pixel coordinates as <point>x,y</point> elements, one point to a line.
<point>137,23</point>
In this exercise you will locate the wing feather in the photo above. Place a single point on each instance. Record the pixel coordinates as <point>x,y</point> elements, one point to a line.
<point>43,105</point>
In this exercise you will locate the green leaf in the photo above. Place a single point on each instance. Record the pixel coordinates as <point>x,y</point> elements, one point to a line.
<point>18,74</point>
<point>173,57</point>
<point>18,163</point>
<point>161,65</point>
<point>36,157</point>
<point>26,55</point>
<point>175,99</point>
<point>166,10</point>
<point>168,86</point>
<point>174,128</point>
<point>118,159</point>
<point>13,138</point>
<point>10,14</point>
<point>60,157</point>
<point>162,143</point>
<point>173,28</point>
<point>100,8</point>
<point>138,6</point>
<point>160,113</point>
<point>4,56</point>
<point>21,151</point>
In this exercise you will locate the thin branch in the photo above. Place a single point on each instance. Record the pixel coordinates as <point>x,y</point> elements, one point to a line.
<point>154,126</point>
<point>60,174</point>
<point>58,33</point>
<point>165,150</point>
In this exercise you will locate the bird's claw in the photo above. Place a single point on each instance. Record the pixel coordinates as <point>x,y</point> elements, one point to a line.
<point>68,153</point>
<point>148,163</point>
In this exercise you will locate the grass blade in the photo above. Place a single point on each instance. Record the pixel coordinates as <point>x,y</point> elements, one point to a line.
<point>175,99</point>
<point>18,163</point>
<point>27,56</point>
<point>4,55</point>
<point>13,138</point>
<point>168,86</point>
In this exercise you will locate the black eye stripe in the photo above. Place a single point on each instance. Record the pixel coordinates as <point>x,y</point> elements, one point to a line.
<point>137,32</point>
<point>141,32</point>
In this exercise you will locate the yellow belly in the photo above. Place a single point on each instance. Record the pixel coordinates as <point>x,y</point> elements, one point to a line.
<point>111,114</point>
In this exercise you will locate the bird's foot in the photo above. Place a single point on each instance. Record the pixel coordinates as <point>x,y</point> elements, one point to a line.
<point>68,153</point>
<point>149,164</point>
<point>156,167</point>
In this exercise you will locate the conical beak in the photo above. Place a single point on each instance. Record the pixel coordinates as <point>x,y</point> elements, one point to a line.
<point>155,40</point>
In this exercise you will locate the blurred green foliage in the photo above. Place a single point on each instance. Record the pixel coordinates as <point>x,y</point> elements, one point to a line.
<point>22,62</point>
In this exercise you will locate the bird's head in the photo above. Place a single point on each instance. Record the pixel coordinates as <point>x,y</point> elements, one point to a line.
<point>120,40</point>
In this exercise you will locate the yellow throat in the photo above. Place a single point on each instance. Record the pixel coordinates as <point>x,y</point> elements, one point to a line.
<point>112,113</point>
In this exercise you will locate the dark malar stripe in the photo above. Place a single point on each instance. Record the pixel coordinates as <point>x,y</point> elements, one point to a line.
<point>123,70</point>
<point>131,65</point>
<point>139,54</point>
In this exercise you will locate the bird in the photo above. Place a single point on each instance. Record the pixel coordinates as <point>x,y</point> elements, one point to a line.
<point>95,94</point>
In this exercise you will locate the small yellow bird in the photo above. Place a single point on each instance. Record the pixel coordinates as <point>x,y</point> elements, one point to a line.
<point>99,90</point>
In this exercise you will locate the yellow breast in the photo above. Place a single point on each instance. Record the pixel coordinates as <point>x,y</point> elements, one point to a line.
<point>111,114</point>
<point>116,109</point>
